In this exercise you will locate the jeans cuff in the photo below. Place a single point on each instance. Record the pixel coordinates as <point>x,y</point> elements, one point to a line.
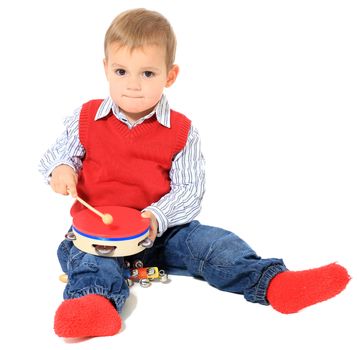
<point>260,294</point>
<point>118,300</point>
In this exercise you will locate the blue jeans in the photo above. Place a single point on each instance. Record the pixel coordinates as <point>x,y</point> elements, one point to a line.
<point>215,255</point>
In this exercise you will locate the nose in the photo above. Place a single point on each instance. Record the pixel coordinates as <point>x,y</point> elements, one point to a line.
<point>133,83</point>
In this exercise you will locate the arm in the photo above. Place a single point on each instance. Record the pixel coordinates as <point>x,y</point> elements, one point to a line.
<point>63,160</point>
<point>183,203</point>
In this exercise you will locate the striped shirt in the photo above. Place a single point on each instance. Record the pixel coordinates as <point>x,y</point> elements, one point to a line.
<point>182,204</point>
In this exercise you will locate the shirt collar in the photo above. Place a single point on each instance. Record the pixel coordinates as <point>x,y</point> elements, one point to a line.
<point>162,111</point>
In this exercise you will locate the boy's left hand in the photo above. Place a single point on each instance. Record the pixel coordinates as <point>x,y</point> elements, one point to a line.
<point>153,224</point>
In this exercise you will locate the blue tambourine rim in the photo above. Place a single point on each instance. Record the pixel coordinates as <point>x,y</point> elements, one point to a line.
<point>109,239</point>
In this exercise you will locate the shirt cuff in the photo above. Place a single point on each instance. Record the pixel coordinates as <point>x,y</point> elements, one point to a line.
<point>161,219</point>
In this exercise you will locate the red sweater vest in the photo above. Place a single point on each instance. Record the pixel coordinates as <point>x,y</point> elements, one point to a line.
<point>126,167</point>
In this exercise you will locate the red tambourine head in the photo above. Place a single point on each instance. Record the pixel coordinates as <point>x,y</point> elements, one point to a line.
<point>125,223</point>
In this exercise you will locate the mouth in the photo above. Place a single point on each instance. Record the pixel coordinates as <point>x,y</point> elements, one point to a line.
<point>136,97</point>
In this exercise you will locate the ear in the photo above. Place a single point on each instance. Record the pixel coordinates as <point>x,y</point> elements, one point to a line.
<point>172,75</point>
<point>105,66</point>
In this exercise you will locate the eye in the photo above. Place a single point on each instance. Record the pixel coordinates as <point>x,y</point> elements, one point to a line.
<point>148,74</point>
<point>120,72</point>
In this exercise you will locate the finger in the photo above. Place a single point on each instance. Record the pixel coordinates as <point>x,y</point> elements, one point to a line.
<point>154,229</point>
<point>146,215</point>
<point>153,224</point>
<point>71,189</point>
<point>152,235</point>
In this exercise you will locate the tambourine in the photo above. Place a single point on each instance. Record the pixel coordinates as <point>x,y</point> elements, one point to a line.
<point>126,235</point>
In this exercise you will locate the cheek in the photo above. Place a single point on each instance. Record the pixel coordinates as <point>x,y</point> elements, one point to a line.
<point>116,92</point>
<point>116,85</point>
<point>153,90</point>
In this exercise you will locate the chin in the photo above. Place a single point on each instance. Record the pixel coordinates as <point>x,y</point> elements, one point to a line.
<point>131,107</point>
<point>133,110</point>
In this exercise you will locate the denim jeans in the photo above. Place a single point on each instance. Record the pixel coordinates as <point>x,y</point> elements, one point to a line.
<point>213,254</point>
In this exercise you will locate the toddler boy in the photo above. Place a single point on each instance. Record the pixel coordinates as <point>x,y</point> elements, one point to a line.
<point>132,150</point>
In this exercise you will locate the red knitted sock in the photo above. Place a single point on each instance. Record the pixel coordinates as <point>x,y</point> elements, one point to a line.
<point>291,291</point>
<point>88,316</point>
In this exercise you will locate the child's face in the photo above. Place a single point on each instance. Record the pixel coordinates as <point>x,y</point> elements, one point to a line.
<point>137,78</point>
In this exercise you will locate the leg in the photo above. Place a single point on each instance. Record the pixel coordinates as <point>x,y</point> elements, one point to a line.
<point>220,257</point>
<point>228,263</point>
<point>91,274</point>
<point>94,295</point>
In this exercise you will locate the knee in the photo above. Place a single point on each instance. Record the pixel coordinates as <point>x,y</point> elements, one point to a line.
<point>219,247</point>
<point>231,250</point>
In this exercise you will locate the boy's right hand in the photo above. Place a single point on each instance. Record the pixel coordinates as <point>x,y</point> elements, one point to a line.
<point>64,180</point>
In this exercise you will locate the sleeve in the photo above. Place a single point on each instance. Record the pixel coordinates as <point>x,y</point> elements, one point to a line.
<point>66,150</point>
<point>183,203</point>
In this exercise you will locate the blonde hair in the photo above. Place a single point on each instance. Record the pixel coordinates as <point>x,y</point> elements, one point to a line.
<point>139,27</point>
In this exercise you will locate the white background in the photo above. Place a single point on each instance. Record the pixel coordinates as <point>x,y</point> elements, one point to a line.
<point>272,87</point>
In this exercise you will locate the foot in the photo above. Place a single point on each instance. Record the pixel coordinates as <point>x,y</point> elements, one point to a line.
<point>88,316</point>
<point>291,291</point>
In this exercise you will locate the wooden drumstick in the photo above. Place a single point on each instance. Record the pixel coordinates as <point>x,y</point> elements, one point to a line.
<point>106,218</point>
